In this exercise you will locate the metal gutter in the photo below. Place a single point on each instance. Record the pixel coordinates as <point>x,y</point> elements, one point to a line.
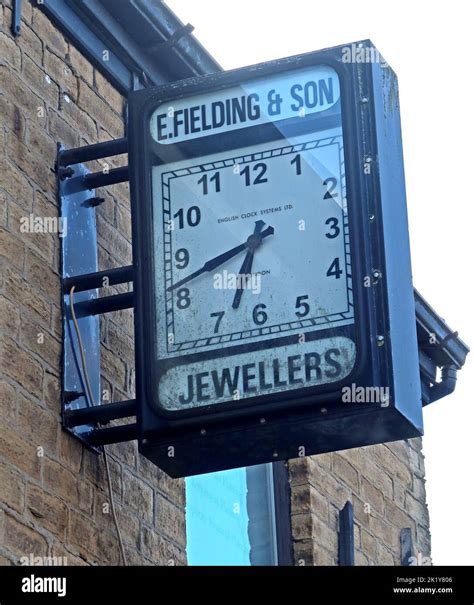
<point>435,337</point>
<point>145,40</point>
<point>438,347</point>
<point>187,47</point>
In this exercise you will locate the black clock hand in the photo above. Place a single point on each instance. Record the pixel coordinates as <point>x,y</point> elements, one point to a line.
<point>210,265</point>
<point>245,270</point>
<point>215,262</point>
<point>246,267</point>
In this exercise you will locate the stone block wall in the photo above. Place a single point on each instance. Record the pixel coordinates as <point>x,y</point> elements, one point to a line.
<point>53,492</point>
<point>386,486</point>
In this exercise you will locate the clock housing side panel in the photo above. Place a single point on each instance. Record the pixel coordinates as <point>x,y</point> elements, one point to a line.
<point>399,320</point>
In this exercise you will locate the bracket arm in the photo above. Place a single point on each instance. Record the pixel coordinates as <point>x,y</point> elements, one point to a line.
<point>90,281</point>
<point>101,413</point>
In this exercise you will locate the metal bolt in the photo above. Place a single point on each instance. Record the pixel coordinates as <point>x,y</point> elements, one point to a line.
<point>372,218</point>
<point>275,454</point>
<point>376,274</point>
<point>364,100</point>
<point>203,432</point>
<point>262,420</point>
<point>144,441</point>
<point>65,172</point>
<point>368,159</point>
<point>380,341</point>
<point>324,410</point>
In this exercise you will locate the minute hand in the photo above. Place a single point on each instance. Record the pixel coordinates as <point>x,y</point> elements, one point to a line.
<point>215,262</point>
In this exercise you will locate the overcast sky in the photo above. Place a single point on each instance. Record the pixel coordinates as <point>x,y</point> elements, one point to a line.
<point>429,45</point>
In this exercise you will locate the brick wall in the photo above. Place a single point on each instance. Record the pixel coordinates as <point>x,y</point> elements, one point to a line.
<point>385,484</point>
<point>53,498</point>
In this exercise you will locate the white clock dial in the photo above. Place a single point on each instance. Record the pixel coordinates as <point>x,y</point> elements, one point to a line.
<point>283,203</point>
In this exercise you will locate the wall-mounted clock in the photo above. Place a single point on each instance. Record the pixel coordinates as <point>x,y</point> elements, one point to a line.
<point>260,222</point>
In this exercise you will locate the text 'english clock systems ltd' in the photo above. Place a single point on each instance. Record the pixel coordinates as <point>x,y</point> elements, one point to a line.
<point>272,263</point>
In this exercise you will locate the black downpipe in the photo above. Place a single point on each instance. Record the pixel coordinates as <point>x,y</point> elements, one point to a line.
<point>447,384</point>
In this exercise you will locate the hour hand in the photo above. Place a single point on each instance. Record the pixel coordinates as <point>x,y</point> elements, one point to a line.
<point>245,270</point>
<point>252,243</point>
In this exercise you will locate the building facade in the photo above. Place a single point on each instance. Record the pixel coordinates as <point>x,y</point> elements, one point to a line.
<point>64,80</point>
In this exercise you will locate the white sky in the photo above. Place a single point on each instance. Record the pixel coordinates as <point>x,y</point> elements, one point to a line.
<point>429,45</point>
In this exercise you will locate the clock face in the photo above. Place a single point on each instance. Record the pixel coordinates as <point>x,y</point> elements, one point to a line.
<point>253,277</point>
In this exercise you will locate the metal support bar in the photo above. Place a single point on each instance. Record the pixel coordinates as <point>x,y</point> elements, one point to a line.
<point>406,546</point>
<point>99,179</point>
<point>93,152</point>
<point>106,304</point>
<point>346,535</point>
<point>101,413</point>
<point>93,202</point>
<point>114,434</point>
<point>16,18</point>
<point>99,279</point>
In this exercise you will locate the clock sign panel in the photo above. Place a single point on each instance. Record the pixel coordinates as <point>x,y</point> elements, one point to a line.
<point>253,246</point>
<point>269,219</point>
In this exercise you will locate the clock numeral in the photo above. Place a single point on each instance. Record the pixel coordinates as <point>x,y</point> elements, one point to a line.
<point>331,184</point>
<point>193,217</point>
<point>259,316</point>
<point>297,161</point>
<point>205,180</point>
<point>261,168</point>
<point>183,298</point>
<point>219,315</point>
<point>334,269</point>
<point>300,304</point>
<point>182,258</point>
<point>333,222</point>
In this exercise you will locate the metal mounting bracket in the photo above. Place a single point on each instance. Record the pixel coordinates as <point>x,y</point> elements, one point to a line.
<point>79,268</point>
